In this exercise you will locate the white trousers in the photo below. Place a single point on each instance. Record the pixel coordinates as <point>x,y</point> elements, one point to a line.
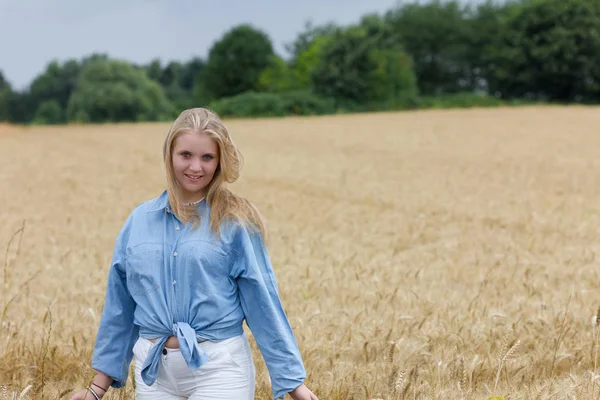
<point>229,373</point>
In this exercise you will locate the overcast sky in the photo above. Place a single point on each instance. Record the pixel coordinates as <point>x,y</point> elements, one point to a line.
<point>34,32</point>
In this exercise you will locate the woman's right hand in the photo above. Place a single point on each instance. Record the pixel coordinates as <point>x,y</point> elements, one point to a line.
<point>100,381</point>
<point>85,395</point>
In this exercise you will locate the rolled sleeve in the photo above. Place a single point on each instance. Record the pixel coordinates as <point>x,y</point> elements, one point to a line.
<point>117,333</point>
<point>265,315</point>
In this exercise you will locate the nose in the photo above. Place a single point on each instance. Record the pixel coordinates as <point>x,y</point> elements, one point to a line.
<point>196,165</point>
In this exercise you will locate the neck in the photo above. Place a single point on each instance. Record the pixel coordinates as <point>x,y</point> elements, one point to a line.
<point>193,203</point>
<point>192,198</point>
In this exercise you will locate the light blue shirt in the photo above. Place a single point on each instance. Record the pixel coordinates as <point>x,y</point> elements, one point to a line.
<point>167,279</point>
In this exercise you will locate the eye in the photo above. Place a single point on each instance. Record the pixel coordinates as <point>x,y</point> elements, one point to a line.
<point>185,154</point>
<point>208,157</point>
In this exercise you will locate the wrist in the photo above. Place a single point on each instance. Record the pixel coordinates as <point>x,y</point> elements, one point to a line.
<point>93,394</point>
<point>102,379</point>
<point>99,388</point>
<point>101,383</point>
<point>297,387</point>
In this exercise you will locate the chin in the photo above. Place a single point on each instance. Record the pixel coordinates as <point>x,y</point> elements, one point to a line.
<point>198,189</point>
<point>194,189</point>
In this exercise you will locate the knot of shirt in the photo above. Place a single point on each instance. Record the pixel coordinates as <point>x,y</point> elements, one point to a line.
<point>188,345</point>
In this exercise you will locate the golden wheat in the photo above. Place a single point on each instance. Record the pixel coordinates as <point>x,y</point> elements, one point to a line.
<point>438,231</point>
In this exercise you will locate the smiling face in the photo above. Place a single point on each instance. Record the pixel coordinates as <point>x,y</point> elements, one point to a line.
<point>195,159</point>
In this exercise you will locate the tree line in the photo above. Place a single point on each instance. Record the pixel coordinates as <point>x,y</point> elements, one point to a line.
<point>440,53</point>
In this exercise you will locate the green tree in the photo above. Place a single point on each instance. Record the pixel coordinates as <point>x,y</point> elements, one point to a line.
<point>305,52</point>
<point>56,83</point>
<point>171,74</point>
<point>549,50</point>
<point>306,62</point>
<point>485,28</point>
<point>177,79</point>
<point>112,90</point>
<point>391,77</point>
<point>277,77</point>
<point>380,32</point>
<point>154,70</point>
<point>307,38</point>
<point>352,69</point>
<point>190,73</point>
<point>235,62</point>
<point>19,109</point>
<point>5,93</point>
<point>436,35</point>
<point>169,79</point>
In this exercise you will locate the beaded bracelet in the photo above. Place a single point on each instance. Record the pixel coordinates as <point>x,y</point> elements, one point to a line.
<point>93,392</point>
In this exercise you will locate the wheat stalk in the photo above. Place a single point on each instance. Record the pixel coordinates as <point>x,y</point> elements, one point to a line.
<point>595,325</point>
<point>46,345</point>
<point>561,336</point>
<point>508,349</point>
<point>24,392</point>
<point>399,384</point>
<point>5,278</point>
<point>391,352</point>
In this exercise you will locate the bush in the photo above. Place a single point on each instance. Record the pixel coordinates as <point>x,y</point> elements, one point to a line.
<point>459,100</point>
<point>48,113</point>
<point>307,103</point>
<point>249,104</point>
<point>414,102</point>
<point>254,104</point>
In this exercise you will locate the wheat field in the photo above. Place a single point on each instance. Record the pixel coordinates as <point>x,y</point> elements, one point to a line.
<point>419,255</point>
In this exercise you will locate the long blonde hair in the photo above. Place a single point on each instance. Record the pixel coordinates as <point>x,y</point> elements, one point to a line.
<point>224,204</point>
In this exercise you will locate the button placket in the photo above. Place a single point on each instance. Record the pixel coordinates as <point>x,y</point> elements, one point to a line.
<point>173,261</point>
<point>178,234</point>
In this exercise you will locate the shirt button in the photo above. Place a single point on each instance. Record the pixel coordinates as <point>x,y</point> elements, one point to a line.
<point>177,228</point>
<point>175,254</point>
<point>174,282</point>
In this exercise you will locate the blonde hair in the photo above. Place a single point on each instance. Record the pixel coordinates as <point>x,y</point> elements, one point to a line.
<point>224,204</point>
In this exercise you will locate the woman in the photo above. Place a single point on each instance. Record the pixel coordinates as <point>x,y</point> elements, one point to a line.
<point>188,268</point>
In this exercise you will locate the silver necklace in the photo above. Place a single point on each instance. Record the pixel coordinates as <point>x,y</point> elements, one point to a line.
<point>193,203</point>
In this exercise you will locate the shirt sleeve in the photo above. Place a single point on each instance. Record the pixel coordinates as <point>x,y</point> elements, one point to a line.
<point>264,313</point>
<point>117,333</point>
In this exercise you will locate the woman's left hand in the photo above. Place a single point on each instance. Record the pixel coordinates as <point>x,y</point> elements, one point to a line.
<point>303,393</point>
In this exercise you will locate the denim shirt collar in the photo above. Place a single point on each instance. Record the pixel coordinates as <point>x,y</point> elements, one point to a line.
<point>159,203</point>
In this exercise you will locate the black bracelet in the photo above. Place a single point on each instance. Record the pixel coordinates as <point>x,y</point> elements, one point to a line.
<point>100,387</point>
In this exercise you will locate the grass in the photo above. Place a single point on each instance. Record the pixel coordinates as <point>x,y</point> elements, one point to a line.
<point>420,255</point>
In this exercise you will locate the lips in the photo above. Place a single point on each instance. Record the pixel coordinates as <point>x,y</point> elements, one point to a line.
<point>193,178</point>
